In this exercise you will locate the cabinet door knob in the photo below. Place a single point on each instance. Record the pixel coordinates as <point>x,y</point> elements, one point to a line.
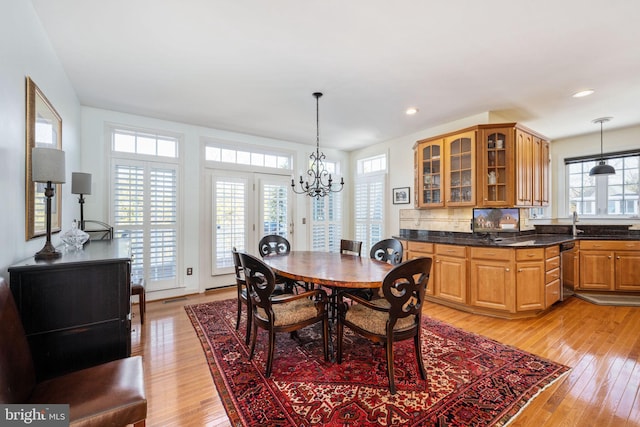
<point>506,269</point>
<point>609,257</point>
<point>617,257</point>
<point>519,270</point>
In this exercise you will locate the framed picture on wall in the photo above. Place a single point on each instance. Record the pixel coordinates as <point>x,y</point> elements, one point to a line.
<point>401,196</point>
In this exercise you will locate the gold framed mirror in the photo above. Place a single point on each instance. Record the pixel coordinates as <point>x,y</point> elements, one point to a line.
<point>43,129</point>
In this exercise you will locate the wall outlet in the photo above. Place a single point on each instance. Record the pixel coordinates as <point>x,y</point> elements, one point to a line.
<point>189,271</point>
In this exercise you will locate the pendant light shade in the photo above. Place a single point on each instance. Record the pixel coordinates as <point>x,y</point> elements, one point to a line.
<point>602,168</point>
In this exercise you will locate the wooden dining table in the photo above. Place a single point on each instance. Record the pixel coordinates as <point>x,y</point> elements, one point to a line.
<point>330,269</point>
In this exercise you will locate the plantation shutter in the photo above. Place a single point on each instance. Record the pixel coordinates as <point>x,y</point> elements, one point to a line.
<point>326,219</point>
<point>369,210</point>
<point>230,218</point>
<point>144,210</point>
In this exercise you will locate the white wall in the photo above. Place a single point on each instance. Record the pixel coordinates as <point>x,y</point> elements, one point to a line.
<point>25,51</point>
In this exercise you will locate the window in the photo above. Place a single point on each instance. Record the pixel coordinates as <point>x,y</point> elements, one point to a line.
<point>370,200</point>
<point>144,206</point>
<point>372,164</point>
<point>613,195</point>
<point>230,219</point>
<point>134,142</point>
<point>326,224</point>
<point>326,216</point>
<point>249,157</point>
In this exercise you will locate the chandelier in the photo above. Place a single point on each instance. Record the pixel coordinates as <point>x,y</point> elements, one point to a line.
<point>319,182</point>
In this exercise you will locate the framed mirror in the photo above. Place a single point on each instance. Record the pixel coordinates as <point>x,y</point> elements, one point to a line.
<point>43,129</point>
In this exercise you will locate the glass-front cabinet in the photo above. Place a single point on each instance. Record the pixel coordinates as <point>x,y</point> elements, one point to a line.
<point>429,177</point>
<point>460,150</point>
<point>494,165</point>
<point>496,148</point>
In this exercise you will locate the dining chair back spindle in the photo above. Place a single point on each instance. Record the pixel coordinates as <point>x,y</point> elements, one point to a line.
<point>281,313</point>
<point>395,317</point>
<point>387,250</point>
<point>273,244</point>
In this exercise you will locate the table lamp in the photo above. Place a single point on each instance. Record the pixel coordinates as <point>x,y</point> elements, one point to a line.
<point>81,184</point>
<point>47,165</point>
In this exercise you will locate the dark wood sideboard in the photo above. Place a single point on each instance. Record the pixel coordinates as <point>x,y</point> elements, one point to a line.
<point>76,309</point>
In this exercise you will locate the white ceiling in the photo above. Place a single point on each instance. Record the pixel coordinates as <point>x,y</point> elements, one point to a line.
<point>251,66</point>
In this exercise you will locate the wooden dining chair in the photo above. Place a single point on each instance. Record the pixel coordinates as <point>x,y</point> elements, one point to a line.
<point>281,313</point>
<point>352,247</point>
<point>387,250</point>
<point>275,245</point>
<point>243,294</point>
<point>396,317</point>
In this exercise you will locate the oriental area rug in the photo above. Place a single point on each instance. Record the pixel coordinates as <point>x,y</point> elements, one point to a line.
<point>471,380</point>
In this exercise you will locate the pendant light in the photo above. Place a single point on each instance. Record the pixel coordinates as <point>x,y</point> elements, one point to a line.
<point>320,183</point>
<point>602,168</point>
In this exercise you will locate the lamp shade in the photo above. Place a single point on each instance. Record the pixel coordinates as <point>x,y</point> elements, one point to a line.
<point>602,169</point>
<point>80,183</point>
<point>47,164</point>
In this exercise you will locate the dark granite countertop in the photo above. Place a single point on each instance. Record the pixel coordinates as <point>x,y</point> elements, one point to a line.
<point>529,239</point>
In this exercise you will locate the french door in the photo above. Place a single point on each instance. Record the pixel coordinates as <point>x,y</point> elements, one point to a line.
<point>246,207</point>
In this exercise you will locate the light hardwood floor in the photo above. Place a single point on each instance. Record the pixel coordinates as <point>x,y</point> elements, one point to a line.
<point>601,344</point>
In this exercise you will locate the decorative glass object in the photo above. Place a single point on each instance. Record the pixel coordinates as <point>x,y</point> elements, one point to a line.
<point>75,237</point>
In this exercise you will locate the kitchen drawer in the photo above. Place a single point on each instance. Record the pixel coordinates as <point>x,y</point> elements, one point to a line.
<point>552,275</point>
<point>552,251</point>
<point>552,263</point>
<point>534,254</point>
<point>614,245</point>
<point>492,253</point>
<point>420,247</point>
<point>552,292</point>
<point>452,250</point>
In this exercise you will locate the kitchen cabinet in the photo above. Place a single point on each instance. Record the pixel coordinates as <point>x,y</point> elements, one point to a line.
<point>429,178</point>
<point>552,275</point>
<point>530,279</point>
<point>76,309</point>
<point>413,249</point>
<point>451,273</point>
<point>607,265</point>
<point>492,278</point>
<point>497,165</point>
<point>532,170</point>
<point>460,167</point>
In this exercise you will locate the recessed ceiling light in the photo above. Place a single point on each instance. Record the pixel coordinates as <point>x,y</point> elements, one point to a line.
<point>411,111</point>
<point>583,93</point>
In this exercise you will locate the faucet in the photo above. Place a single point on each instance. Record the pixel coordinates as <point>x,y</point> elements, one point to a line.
<point>573,224</point>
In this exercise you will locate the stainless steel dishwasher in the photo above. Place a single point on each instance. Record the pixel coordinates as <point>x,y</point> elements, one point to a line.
<point>568,269</point>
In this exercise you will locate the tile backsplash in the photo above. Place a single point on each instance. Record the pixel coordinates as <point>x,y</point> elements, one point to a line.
<point>448,219</point>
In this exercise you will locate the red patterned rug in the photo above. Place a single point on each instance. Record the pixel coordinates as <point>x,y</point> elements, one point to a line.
<point>471,380</point>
